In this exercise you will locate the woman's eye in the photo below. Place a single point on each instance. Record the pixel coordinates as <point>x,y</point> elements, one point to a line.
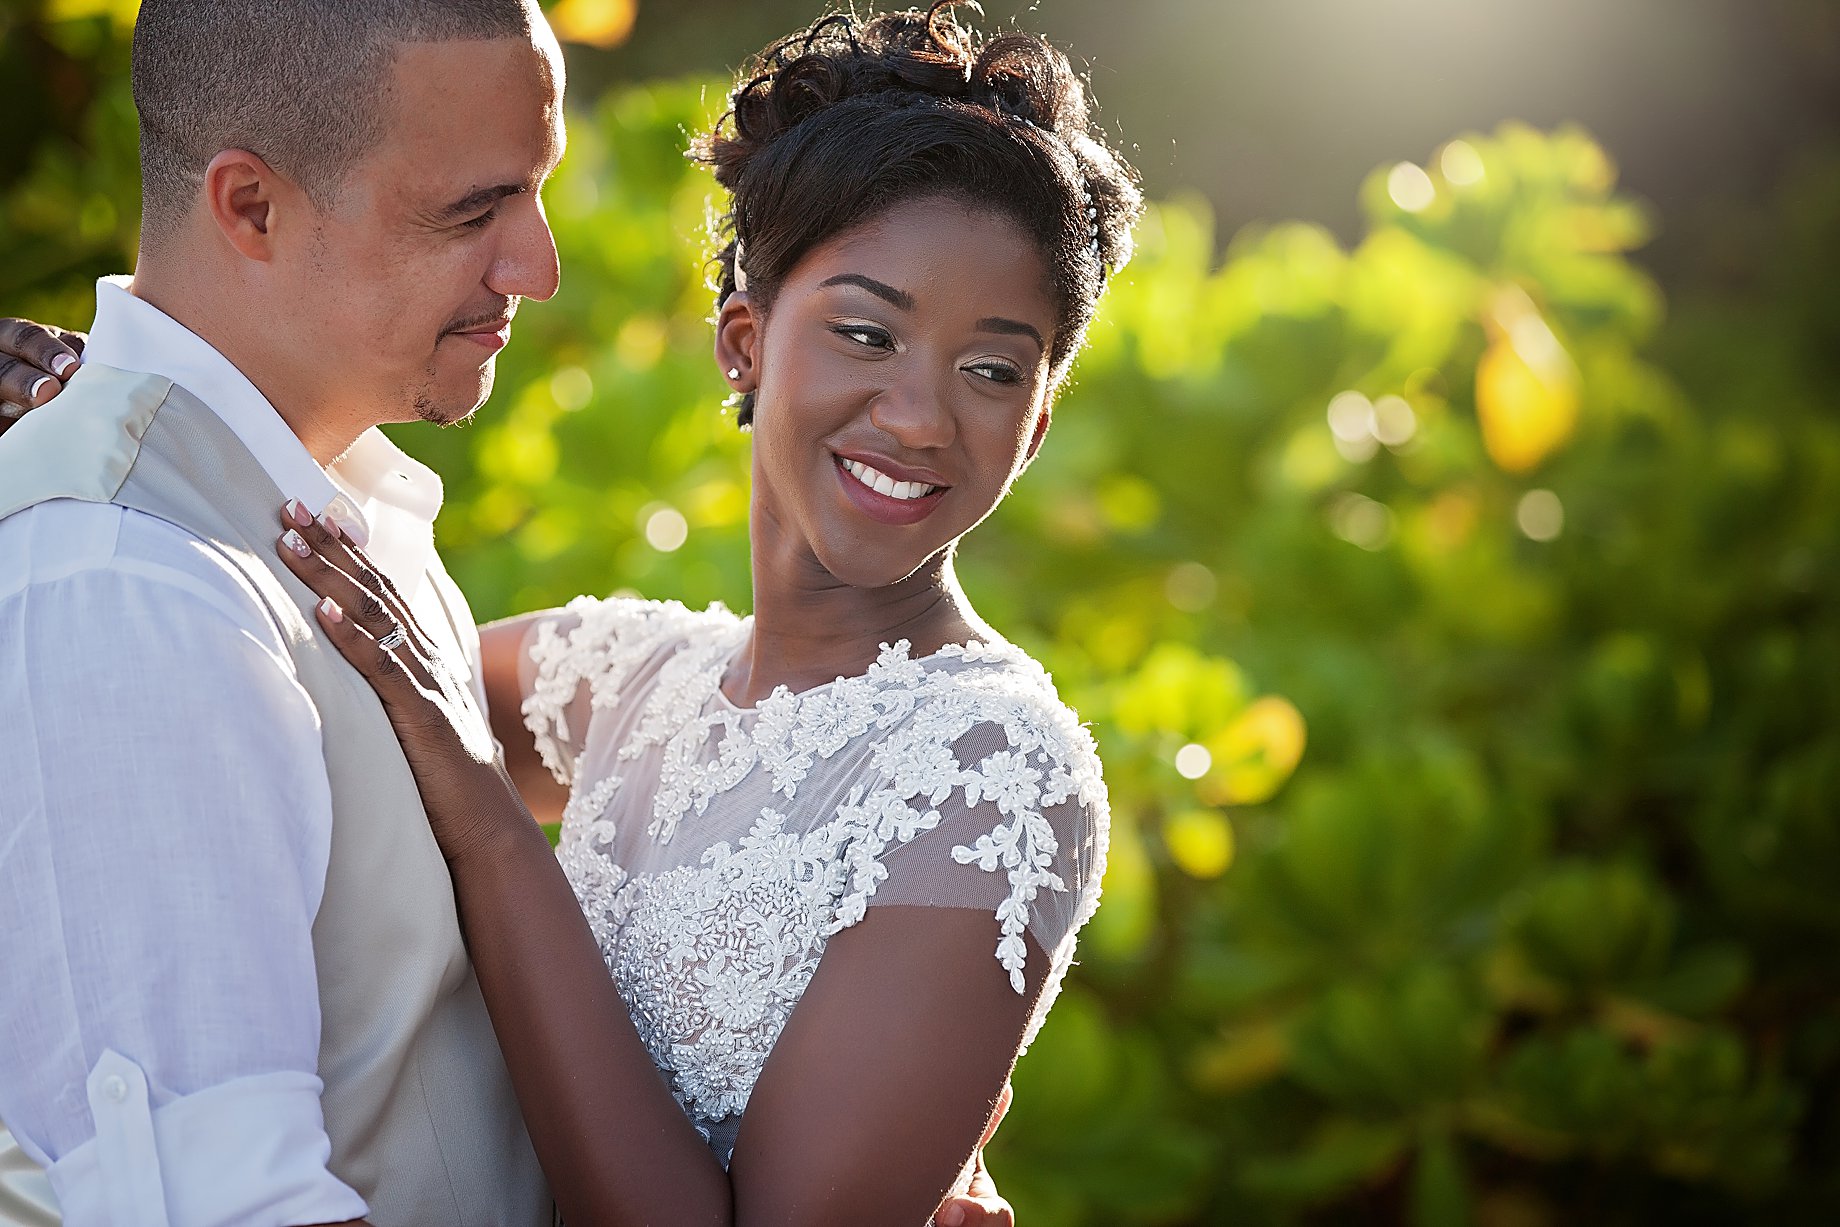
<point>865,334</point>
<point>482,221</point>
<point>996,372</point>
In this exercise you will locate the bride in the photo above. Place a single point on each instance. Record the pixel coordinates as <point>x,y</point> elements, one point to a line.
<point>835,854</point>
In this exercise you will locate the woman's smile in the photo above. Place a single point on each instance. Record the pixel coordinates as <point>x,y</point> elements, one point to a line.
<point>887,492</point>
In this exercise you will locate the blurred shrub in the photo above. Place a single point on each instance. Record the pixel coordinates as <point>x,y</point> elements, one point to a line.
<point>1539,928</point>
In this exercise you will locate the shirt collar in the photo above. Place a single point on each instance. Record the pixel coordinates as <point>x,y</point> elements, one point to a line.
<point>131,334</point>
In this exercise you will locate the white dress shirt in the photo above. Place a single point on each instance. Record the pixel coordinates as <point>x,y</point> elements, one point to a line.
<point>165,823</point>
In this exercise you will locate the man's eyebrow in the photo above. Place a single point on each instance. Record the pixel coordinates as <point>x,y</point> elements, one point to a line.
<point>1011,328</point>
<point>886,293</point>
<point>475,201</point>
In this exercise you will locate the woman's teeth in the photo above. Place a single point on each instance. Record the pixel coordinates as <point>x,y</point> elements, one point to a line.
<point>881,483</point>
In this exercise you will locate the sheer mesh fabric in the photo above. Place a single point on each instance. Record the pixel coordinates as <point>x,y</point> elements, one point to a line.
<point>715,849</point>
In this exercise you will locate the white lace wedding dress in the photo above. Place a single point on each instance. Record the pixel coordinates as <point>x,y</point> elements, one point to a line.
<point>716,848</point>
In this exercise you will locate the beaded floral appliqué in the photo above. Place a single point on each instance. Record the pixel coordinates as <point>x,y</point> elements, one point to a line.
<point>712,953</point>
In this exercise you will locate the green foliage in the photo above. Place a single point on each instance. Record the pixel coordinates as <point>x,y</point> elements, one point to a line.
<point>1538,928</point>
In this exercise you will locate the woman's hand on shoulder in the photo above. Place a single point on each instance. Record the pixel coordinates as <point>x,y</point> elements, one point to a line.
<point>35,359</point>
<point>469,799</point>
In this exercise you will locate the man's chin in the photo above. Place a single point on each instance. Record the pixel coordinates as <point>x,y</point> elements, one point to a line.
<point>451,406</point>
<point>445,412</point>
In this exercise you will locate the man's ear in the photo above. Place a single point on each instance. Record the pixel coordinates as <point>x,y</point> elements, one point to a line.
<point>738,342</point>
<point>244,197</point>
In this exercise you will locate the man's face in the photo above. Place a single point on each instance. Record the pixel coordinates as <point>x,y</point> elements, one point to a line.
<point>408,286</point>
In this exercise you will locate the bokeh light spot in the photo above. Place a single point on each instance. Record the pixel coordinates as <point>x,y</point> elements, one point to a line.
<point>1461,164</point>
<point>1200,842</point>
<point>666,529</point>
<point>1540,515</point>
<point>1394,421</point>
<point>1191,587</point>
<point>1193,761</point>
<point>571,388</point>
<point>1410,187</point>
<point>1351,416</point>
<point>597,23</point>
<point>641,342</point>
<point>1361,521</point>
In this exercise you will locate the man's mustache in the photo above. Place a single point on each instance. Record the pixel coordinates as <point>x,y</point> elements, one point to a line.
<point>473,323</point>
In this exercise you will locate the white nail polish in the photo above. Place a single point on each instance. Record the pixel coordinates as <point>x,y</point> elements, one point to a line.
<point>62,365</point>
<point>331,609</point>
<point>38,385</point>
<point>294,541</point>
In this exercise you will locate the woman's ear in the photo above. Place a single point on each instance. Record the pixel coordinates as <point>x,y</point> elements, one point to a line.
<point>1040,435</point>
<point>242,194</point>
<point>738,343</point>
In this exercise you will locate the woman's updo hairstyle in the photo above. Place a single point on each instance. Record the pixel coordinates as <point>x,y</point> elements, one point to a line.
<point>831,126</point>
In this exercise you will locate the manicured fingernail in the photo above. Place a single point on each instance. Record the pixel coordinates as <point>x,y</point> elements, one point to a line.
<point>297,512</point>
<point>62,365</point>
<point>332,529</point>
<point>294,541</point>
<point>331,609</point>
<point>38,385</point>
<point>951,1216</point>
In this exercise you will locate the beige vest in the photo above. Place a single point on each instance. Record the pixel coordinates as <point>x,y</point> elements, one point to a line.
<point>417,1101</point>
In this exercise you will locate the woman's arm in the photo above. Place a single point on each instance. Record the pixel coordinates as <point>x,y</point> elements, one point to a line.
<point>879,1088</point>
<point>501,653</point>
<point>868,1107</point>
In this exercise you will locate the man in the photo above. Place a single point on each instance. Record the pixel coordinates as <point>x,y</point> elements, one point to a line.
<point>235,989</point>
<point>235,993</point>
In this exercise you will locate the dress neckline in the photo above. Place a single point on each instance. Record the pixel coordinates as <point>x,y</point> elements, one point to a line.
<point>978,648</point>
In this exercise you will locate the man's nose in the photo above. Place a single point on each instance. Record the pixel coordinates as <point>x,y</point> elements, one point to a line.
<point>916,414</point>
<point>527,264</point>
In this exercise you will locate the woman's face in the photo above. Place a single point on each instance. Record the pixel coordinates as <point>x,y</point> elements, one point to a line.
<point>901,385</point>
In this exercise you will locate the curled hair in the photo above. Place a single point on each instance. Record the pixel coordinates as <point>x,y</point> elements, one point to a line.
<point>830,127</point>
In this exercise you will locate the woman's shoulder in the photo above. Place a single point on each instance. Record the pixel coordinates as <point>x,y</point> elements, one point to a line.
<point>594,632</point>
<point>996,683</point>
<point>590,655</point>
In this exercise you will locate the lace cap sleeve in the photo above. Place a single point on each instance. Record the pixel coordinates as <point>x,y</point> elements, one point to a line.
<point>1008,814</point>
<point>570,663</point>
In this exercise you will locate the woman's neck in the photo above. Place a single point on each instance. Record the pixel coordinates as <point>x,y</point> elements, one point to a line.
<point>810,628</point>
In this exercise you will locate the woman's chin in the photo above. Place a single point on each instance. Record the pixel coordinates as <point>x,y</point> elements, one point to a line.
<point>867,569</point>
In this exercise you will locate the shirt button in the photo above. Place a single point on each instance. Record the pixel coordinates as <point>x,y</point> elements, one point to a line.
<point>115,1088</point>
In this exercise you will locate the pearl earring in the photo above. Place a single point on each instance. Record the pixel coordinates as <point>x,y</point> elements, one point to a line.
<point>734,372</point>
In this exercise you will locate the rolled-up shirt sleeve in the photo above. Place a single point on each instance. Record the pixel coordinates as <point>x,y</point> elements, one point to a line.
<point>165,822</point>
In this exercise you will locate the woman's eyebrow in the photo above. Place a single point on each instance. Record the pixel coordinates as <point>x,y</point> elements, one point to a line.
<point>1013,328</point>
<point>887,293</point>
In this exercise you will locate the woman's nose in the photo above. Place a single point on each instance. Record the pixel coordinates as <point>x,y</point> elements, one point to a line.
<point>916,415</point>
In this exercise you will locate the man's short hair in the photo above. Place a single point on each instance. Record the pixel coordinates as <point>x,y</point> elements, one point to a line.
<point>300,83</point>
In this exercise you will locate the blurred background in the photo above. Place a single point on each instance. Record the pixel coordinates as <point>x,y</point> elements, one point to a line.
<point>1440,533</point>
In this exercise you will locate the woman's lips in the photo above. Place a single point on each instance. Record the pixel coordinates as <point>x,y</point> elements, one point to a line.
<point>884,508</point>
